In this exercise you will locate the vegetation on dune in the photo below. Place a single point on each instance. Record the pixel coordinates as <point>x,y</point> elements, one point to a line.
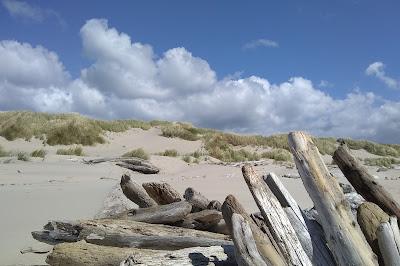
<point>187,158</point>
<point>3,153</point>
<point>137,153</point>
<point>374,148</point>
<point>278,155</point>
<point>170,153</point>
<point>382,162</point>
<point>77,150</point>
<point>41,153</point>
<point>23,156</point>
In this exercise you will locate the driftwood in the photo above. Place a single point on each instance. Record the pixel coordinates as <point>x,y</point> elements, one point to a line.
<point>125,233</point>
<point>86,254</point>
<point>309,232</point>
<point>387,245</point>
<point>214,205</point>
<point>277,221</point>
<point>202,220</point>
<point>342,232</point>
<point>162,214</point>
<point>198,201</point>
<point>162,193</point>
<point>369,217</point>
<point>134,164</point>
<point>266,245</point>
<point>245,246</point>
<point>136,193</point>
<point>363,182</point>
<point>396,232</point>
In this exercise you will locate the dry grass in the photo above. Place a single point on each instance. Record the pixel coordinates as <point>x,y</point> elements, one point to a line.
<point>278,155</point>
<point>3,153</point>
<point>170,153</point>
<point>78,151</point>
<point>23,156</point>
<point>137,153</point>
<point>374,148</point>
<point>382,162</point>
<point>41,153</point>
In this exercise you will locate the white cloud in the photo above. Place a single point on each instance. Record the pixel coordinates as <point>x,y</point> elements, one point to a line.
<point>21,9</point>
<point>127,80</point>
<point>377,69</point>
<point>260,43</point>
<point>325,84</point>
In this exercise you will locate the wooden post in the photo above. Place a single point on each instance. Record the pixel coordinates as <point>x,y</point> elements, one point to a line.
<point>342,232</point>
<point>162,193</point>
<point>308,232</point>
<point>387,245</point>
<point>277,221</point>
<point>363,182</point>
<point>245,247</point>
<point>86,254</point>
<point>136,193</point>
<point>266,245</point>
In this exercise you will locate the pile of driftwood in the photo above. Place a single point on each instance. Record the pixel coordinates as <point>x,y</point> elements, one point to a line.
<point>345,227</point>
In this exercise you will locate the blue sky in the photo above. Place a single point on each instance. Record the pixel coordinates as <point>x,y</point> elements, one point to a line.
<point>328,43</point>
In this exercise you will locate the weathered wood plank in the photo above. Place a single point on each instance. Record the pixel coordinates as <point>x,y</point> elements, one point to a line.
<point>162,193</point>
<point>162,214</point>
<point>342,232</point>
<point>136,193</point>
<point>245,246</point>
<point>266,245</point>
<point>86,254</point>
<point>387,245</point>
<point>396,233</point>
<point>363,182</point>
<point>277,221</point>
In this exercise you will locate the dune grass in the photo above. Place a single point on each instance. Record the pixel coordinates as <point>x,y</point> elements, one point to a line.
<point>169,153</point>
<point>3,153</point>
<point>23,156</point>
<point>137,153</point>
<point>381,162</point>
<point>278,155</point>
<point>187,158</point>
<point>77,150</point>
<point>374,148</point>
<point>41,153</point>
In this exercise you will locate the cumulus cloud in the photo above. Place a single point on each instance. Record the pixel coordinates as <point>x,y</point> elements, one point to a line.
<point>21,9</point>
<point>260,43</point>
<point>377,69</point>
<point>126,79</point>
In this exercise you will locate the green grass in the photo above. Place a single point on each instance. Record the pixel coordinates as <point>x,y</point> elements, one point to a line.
<point>3,153</point>
<point>176,131</point>
<point>41,153</point>
<point>78,151</point>
<point>187,158</point>
<point>170,153</point>
<point>137,153</point>
<point>196,154</point>
<point>23,156</point>
<point>382,162</point>
<point>278,155</point>
<point>374,148</point>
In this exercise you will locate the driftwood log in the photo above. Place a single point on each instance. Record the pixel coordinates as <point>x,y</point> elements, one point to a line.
<point>277,221</point>
<point>162,214</point>
<point>342,231</point>
<point>86,254</point>
<point>308,231</point>
<point>245,246</point>
<point>266,245</point>
<point>202,220</point>
<point>134,164</point>
<point>363,182</point>
<point>162,193</point>
<point>387,245</point>
<point>396,232</point>
<point>214,205</point>
<point>125,233</point>
<point>198,201</point>
<point>136,193</point>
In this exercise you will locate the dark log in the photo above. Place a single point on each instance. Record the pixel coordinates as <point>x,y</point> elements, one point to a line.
<point>126,233</point>
<point>162,193</point>
<point>86,254</point>
<point>266,245</point>
<point>202,220</point>
<point>198,201</point>
<point>162,214</point>
<point>344,236</point>
<point>136,193</point>
<point>363,182</point>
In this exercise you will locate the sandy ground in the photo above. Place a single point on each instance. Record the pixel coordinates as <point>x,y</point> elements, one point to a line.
<point>62,187</point>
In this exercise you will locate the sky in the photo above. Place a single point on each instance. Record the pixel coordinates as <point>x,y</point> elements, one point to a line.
<point>331,68</point>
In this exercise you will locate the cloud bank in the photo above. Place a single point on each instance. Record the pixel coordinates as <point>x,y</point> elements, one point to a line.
<point>126,79</point>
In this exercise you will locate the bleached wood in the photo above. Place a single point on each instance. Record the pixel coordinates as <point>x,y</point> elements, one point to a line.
<point>363,182</point>
<point>342,232</point>
<point>198,201</point>
<point>86,254</point>
<point>134,164</point>
<point>387,245</point>
<point>136,193</point>
<point>245,246</point>
<point>162,193</point>
<point>277,221</point>
<point>266,244</point>
<point>396,233</point>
